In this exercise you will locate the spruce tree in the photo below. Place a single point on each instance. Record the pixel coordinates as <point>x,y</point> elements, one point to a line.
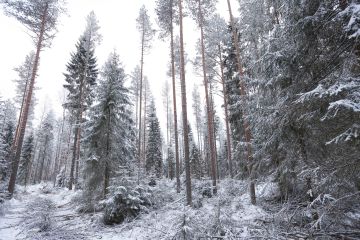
<point>154,144</point>
<point>109,132</point>
<point>195,156</point>
<point>25,163</point>
<point>171,162</point>
<point>6,142</point>
<point>80,77</point>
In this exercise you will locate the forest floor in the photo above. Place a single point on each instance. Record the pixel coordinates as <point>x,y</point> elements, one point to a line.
<point>47,213</point>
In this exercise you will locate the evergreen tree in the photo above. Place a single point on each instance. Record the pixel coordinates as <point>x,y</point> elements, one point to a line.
<point>153,147</point>
<point>6,142</point>
<point>80,77</point>
<point>195,156</point>
<point>40,17</point>
<point>171,162</point>
<point>109,132</point>
<point>25,163</point>
<point>45,148</point>
<point>147,33</point>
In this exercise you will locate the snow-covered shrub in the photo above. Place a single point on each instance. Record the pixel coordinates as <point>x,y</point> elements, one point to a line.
<point>125,204</point>
<point>203,188</point>
<point>38,215</point>
<point>161,194</point>
<point>45,188</point>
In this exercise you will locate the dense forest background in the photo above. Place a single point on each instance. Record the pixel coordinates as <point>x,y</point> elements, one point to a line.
<point>276,120</point>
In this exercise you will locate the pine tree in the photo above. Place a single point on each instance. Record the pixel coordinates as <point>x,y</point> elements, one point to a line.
<point>135,90</point>
<point>24,72</point>
<point>184,106</point>
<point>109,132</point>
<point>216,35</point>
<point>154,144</point>
<point>147,33</point>
<point>40,17</point>
<point>201,11</point>
<point>167,15</point>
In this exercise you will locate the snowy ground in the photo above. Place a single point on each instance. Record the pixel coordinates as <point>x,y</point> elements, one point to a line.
<point>43,212</point>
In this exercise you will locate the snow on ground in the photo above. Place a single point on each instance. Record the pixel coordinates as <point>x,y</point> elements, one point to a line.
<point>43,212</point>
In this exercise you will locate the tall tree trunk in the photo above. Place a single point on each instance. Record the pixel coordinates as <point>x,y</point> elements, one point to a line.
<point>176,135</point>
<point>74,153</point>
<point>243,94</point>
<point>144,125</point>
<point>184,110</point>
<point>208,106</point>
<point>23,102</point>
<point>24,117</point>
<point>227,124</point>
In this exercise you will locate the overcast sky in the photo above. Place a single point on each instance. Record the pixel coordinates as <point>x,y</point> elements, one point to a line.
<point>117,19</point>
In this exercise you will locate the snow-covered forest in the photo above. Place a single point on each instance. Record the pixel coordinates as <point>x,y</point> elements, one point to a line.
<point>257,135</point>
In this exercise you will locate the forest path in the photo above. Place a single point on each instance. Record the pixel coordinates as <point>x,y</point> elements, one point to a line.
<point>41,212</point>
<point>46,213</point>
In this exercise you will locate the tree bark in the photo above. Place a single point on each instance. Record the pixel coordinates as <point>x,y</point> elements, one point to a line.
<point>24,117</point>
<point>184,110</point>
<point>208,105</point>
<point>177,161</point>
<point>243,94</point>
<point>72,168</point>
<point>144,125</point>
<point>227,124</point>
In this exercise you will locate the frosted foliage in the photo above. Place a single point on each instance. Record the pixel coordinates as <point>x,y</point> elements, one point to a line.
<point>167,16</point>
<point>353,26</point>
<point>154,144</point>
<point>145,28</point>
<point>91,33</point>
<point>208,8</point>
<point>30,13</point>
<point>351,134</point>
<point>216,31</point>
<point>109,134</point>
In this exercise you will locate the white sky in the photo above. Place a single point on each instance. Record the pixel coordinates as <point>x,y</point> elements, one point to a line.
<point>117,19</point>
